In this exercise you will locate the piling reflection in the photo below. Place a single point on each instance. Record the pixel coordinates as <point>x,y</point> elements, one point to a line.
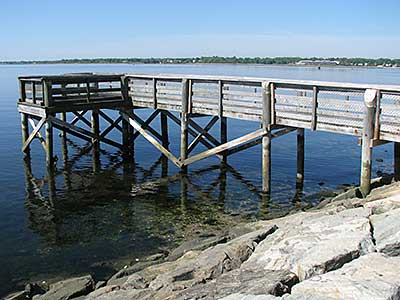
<point>112,195</point>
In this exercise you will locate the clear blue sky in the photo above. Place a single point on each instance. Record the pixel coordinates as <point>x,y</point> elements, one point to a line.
<point>44,29</point>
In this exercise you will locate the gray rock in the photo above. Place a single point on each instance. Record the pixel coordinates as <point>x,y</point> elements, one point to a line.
<point>196,244</point>
<point>315,243</point>
<point>249,282</point>
<point>68,289</point>
<point>149,261</point>
<point>386,229</point>
<point>240,296</point>
<point>100,284</point>
<point>370,277</point>
<point>33,289</point>
<point>22,295</point>
<point>212,262</point>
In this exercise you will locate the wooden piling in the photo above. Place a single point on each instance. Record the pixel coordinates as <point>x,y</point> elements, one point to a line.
<point>184,122</point>
<point>266,139</point>
<point>396,152</point>
<point>300,159</point>
<point>25,132</point>
<point>367,136</point>
<point>224,136</point>
<point>164,130</point>
<point>49,144</point>
<point>95,124</point>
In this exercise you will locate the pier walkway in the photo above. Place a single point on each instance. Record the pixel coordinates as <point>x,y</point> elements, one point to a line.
<point>371,112</point>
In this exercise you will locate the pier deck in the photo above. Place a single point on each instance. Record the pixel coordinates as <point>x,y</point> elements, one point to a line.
<point>371,112</point>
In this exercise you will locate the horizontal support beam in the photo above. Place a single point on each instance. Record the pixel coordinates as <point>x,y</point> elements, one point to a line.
<point>84,132</point>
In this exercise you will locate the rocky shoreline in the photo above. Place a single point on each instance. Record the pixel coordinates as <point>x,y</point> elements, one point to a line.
<point>345,248</point>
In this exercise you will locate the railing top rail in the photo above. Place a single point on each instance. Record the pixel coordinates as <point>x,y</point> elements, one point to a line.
<point>307,84</point>
<point>72,76</point>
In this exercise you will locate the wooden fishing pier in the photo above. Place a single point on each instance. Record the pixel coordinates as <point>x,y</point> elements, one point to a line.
<point>371,112</point>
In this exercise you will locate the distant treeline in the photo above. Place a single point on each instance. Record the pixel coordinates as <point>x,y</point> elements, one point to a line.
<point>220,59</point>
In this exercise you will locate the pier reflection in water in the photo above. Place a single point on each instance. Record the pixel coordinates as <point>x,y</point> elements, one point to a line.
<point>113,190</point>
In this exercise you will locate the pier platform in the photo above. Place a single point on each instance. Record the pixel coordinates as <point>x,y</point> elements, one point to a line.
<point>62,102</point>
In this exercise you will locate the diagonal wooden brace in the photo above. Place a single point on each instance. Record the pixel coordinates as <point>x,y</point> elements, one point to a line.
<point>201,134</point>
<point>35,133</point>
<point>146,123</point>
<point>236,142</point>
<point>82,131</point>
<point>129,117</point>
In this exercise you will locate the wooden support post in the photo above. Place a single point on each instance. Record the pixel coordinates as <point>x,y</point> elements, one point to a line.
<point>184,122</point>
<point>224,136</point>
<point>164,130</point>
<point>300,159</point>
<point>396,152</point>
<point>95,124</point>
<point>63,117</point>
<point>368,133</point>
<point>266,139</point>
<point>25,132</point>
<point>165,143</point>
<point>125,139</point>
<point>49,144</point>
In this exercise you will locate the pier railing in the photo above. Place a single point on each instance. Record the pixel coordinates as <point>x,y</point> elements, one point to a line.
<point>327,106</point>
<point>61,93</point>
<point>371,112</point>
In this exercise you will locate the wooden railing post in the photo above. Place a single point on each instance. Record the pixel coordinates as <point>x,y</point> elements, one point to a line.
<point>266,139</point>
<point>184,121</point>
<point>300,159</point>
<point>370,97</point>
<point>47,95</point>
<point>22,91</point>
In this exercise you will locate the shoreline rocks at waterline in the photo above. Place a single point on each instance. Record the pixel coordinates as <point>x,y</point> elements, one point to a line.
<point>349,248</point>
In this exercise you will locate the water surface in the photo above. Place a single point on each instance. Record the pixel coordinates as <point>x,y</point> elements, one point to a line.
<point>118,211</point>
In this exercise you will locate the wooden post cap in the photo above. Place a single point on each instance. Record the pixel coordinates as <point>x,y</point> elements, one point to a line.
<point>370,97</point>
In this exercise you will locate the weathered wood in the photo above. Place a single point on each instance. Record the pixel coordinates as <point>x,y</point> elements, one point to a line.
<point>224,135</point>
<point>31,110</point>
<point>236,142</point>
<point>266,139</point>
<point>83,132</point>
<point>47,93</point>
<point>377,115</point>
<point>314,109</point>
<point>63,117</point>
<point>300,159</point>
<point>184,122</point>
<point>367,136</point>
<point>25,134</point>
<point>49,144</point>
<point>95,128</point>
<point>396,152</point>
<point>145,124</point>
<point>164,129</point>
<point>152,140</point>
<point>273,103</point>
<point>34,133</point>
<point>154,93</point>
<point>200,136</point>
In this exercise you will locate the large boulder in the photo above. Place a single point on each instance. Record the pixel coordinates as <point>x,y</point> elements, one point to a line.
<point>316,242</point>
<point>386,228</point>
<point>68,289</point>
<point>370,277</point>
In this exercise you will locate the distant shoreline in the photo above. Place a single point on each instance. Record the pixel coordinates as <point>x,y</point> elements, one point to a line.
<point>193,64</point>
<point>271,61</point>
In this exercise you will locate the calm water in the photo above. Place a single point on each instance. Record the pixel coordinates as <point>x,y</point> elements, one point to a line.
<point>125,211</point>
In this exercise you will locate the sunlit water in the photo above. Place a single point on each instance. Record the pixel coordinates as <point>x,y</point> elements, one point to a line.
<point>126,211</point>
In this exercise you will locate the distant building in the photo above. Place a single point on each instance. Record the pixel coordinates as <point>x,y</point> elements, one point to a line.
<point>317,62</point>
